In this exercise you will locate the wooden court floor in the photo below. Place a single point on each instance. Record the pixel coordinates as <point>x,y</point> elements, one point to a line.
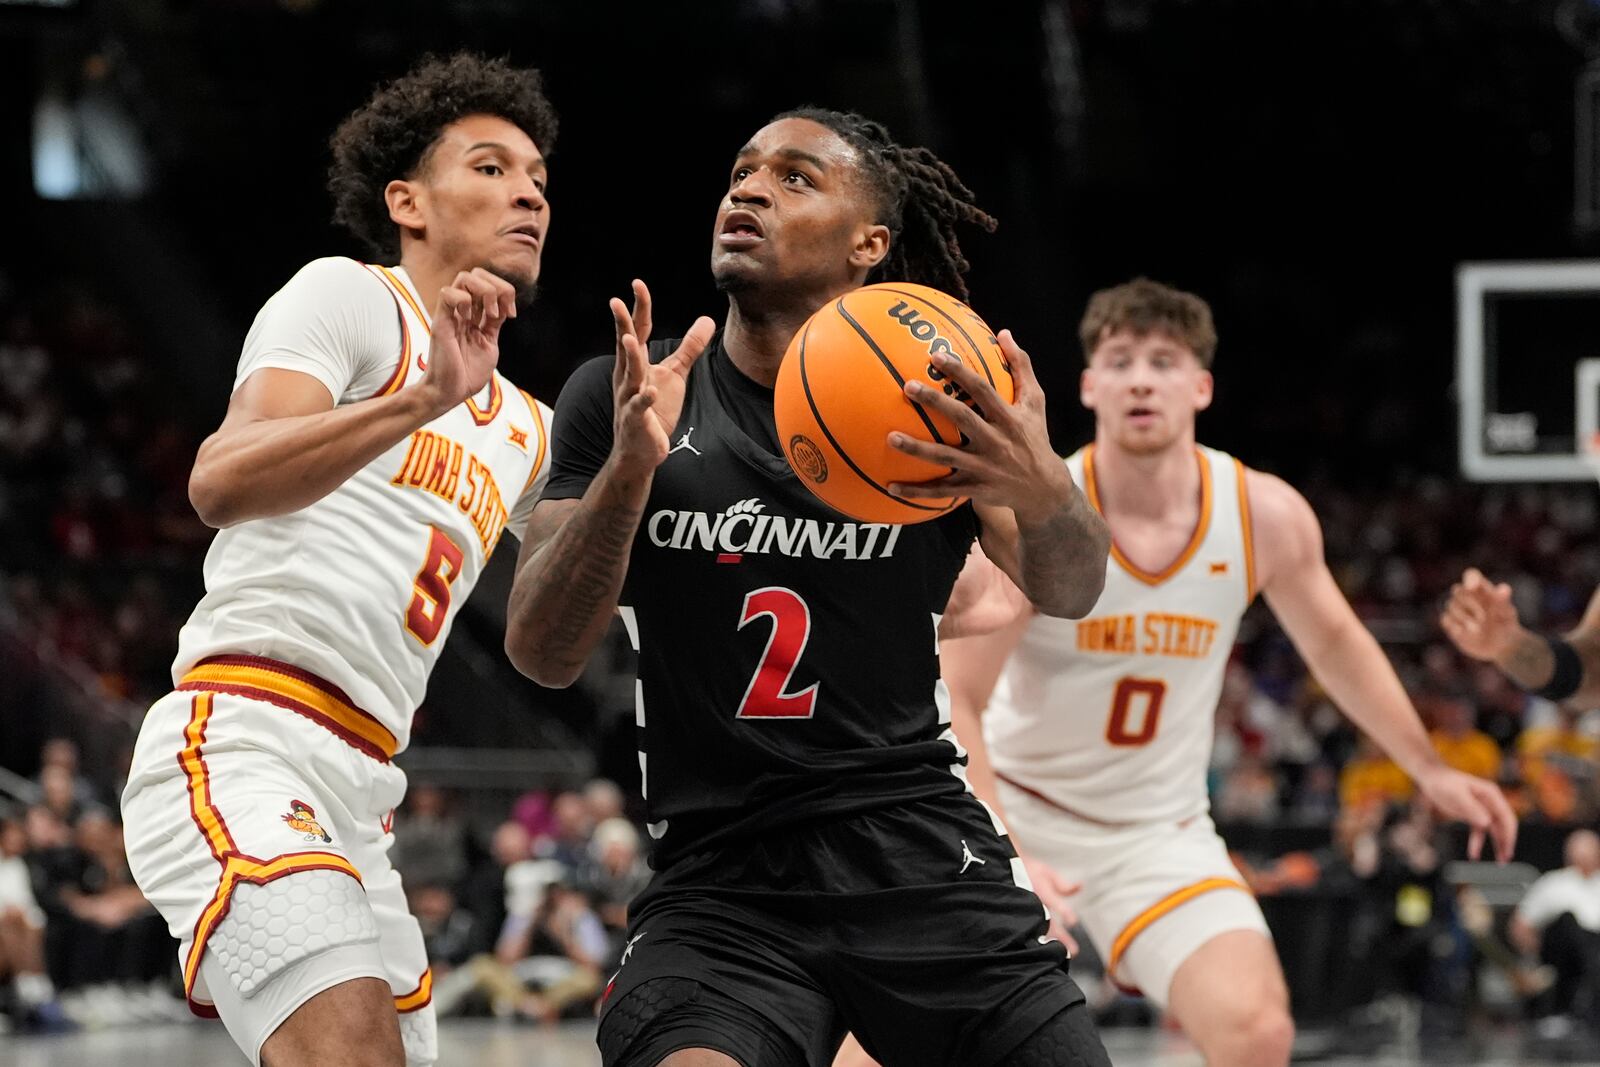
<point>493,1044</point>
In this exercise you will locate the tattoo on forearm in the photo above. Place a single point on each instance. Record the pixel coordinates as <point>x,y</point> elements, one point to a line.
<point>1529,662</point>
<point>1063,556</point>
<point>580,574</point>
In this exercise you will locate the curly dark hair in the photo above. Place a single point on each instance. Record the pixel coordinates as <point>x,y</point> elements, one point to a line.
<point>919,198</point>
<point>391,135</point>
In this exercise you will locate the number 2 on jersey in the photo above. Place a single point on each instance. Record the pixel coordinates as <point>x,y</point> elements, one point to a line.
<point>1147,693</point>
<point>765,697</point>
<point>430,601</point>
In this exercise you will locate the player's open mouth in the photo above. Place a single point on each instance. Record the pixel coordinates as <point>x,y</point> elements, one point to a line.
<point>525,234</point>
<point>740,229</point>
<point>1142,415</point>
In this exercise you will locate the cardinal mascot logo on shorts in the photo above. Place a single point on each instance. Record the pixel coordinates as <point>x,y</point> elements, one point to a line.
<point>303,817</point>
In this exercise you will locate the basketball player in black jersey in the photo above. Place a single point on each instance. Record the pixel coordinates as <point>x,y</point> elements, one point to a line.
<point>821,864</point>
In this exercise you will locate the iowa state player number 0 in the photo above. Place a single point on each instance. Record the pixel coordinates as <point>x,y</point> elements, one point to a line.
<point>1135,700</point>
<point>766,696</point>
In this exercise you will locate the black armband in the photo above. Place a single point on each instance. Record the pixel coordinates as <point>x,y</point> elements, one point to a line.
<point>1568,673</point>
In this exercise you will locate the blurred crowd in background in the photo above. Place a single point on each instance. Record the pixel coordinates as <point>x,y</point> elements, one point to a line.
<point>524,907</point>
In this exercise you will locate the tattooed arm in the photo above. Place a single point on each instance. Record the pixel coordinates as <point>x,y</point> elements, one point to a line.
<point>1056,555</point>
<point>1037,525</point>
<point>569,575</point>
<point>575,555</point>
<point>1483,623</point>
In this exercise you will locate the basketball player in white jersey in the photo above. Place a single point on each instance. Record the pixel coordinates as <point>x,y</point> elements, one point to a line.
<point>370,459</point>
<point>1098,731</point>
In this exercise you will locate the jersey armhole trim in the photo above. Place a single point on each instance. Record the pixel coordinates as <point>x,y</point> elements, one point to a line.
<point>1249,540</point>
<point>544,438</point>
<point>398,378</point>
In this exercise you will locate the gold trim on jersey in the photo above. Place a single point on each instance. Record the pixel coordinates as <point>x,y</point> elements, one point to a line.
<point>236,866</point>
<point>419,997</point>
<point>544,438</point>
<point>496,398</point>
<point>403,368</point>
<point>1249,536</point>
<point>293,689</point>
<point>1166,904</point>
<point>1196,539</point>
<point>405,291</point>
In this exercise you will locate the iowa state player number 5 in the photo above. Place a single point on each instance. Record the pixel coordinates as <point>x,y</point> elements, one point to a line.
<point>765,697</point>
<point>430,602</point>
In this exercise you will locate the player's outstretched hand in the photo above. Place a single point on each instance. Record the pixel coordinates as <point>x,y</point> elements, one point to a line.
<point>648,398</point>
<point>465,345</point>
<point>1005,458</point>
<point>1054,889</point>
<point>1477,802</point>
<point>1480,618</point>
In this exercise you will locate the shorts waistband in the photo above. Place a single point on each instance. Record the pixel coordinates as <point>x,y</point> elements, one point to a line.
<point>296,690</point>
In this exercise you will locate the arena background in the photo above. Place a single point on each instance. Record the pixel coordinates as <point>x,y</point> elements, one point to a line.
<point>1316,169</point>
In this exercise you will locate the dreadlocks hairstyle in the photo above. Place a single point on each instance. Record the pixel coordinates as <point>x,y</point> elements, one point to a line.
<point>392,134</point>
<point>919,198</point>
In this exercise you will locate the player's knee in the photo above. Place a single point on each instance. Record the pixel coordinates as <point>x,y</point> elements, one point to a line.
<point>1261,1035</point>
<point>270,928</point>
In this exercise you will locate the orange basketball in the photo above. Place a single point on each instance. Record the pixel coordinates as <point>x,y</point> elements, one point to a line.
<point>841,391</point>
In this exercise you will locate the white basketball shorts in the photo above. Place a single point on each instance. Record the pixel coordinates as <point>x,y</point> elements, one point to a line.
<point>257,819</point>
<point>1152,893</point>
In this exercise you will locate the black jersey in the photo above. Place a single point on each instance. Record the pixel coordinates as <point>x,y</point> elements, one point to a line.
<point>788,655</point>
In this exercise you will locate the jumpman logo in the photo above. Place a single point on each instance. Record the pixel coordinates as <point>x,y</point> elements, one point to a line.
<point>967,858</point>
<point>628,950</point>
<point>683,442</point>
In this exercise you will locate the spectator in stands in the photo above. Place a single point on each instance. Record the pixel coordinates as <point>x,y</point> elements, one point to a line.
<point>22,925</point>
<point>604,801</point>
<point>1371,777</point>
<point>484,892</point>
<point>569,841</point>
<point>565,956</point>
<point>1458,741</point>
<point>615,872</point>
<point>430,840</point>
<point>1558,765</point>
<point>449,931</point>
<point>1558,921</point>
<point>58,793</point>
<point>1249,794</point>
<point>63,752</point>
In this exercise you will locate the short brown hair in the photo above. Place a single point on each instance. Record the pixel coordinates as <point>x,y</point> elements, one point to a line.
<point>1144,306</point>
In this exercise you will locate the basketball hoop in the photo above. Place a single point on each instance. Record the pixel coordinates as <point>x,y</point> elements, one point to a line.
<point>1590,454</point>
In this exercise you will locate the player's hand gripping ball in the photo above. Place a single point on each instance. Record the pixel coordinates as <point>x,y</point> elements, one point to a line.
<point>841,391</point>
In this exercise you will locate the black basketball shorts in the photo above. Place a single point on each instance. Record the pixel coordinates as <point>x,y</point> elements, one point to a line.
<point>905,925</point>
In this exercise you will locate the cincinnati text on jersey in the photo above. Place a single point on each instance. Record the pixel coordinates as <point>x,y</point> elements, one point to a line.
<point>1158,633</point>
<point>745,527</point>
<point>434,463</point>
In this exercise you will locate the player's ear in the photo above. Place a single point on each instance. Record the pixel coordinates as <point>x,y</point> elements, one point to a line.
<point>1086,388</point>
<point>872,244</point>
<point>405,203</point>
<point>1204,390</point>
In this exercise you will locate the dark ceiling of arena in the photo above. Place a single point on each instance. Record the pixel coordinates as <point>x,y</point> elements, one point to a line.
<point>1315,169</point>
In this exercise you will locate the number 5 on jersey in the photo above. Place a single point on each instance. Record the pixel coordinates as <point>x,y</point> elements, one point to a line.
<point>430,601</point>
<point>766,697</point>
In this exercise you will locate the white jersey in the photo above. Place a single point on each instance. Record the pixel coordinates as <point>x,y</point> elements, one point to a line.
<point>1111,716</point>
<point>359,589</point>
